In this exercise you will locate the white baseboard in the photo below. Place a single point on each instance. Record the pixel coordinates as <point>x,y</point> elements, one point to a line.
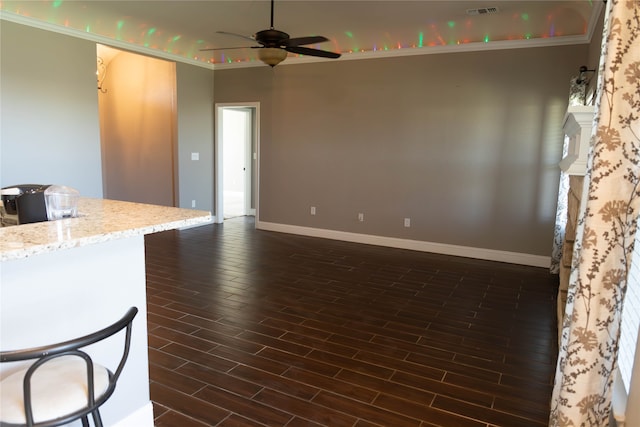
<point>143,417</point>
<point>415,245</point>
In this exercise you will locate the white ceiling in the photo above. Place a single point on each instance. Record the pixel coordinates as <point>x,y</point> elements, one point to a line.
<point>355,28</point>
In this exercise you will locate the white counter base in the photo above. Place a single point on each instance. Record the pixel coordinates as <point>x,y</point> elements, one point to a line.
<point>68,293</point>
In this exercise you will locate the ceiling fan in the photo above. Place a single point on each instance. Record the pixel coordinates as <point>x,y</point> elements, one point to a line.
<point>274,45</point>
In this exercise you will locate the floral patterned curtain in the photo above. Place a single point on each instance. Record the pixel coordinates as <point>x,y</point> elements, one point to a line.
<point>606,231</point>
<point>561,216</point>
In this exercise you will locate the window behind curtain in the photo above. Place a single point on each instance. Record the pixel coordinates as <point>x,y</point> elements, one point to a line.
<point>630,318</point>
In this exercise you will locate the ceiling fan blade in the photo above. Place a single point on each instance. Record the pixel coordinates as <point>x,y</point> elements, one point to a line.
<point>236,35</point>
<point>299,41</point>
<point>227,48</point>
<point>312,52</point>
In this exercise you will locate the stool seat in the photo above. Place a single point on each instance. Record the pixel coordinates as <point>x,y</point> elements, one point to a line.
<point>58,387</point>
<point>62,383</point>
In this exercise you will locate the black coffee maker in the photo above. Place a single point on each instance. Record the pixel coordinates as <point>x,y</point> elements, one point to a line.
<point>23,204</point>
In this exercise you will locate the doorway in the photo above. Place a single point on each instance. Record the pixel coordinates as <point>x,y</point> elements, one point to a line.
<point>236,160</point>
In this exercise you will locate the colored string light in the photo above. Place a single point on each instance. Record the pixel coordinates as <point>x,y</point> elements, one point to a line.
<point>447,32</point>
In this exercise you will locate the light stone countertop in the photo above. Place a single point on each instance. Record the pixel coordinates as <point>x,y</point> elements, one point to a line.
<point>98,220</point>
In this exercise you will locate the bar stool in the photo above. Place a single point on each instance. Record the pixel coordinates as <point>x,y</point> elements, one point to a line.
<point>63,384</point>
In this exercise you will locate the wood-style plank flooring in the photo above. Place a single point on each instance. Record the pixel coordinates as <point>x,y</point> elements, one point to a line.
<point>254,328</point>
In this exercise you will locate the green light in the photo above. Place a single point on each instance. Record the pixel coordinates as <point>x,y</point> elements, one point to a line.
<point>525,16</point>
<point>486,39</point>
<point>349,34</point>
<point>527,36</point>
<point>151,31</point>
<point>120,25</point>
<point>56,4</point>
<point>176,38</point>
<point>87,28</point>
<point>451,24</point>
<point>420,39</point>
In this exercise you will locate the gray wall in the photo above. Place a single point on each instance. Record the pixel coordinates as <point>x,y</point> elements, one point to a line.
<point>49,115</point>
<point>466,145</point>
<point>50,132</point>
<point>195,135</point>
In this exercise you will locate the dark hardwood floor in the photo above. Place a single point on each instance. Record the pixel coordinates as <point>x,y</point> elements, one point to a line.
<point>253,328</point>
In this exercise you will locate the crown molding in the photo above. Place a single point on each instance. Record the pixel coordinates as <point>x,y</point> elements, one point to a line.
<point>47,26</point>
<point>292,60</point>
<point>427,50</point>
<point>595,18</point>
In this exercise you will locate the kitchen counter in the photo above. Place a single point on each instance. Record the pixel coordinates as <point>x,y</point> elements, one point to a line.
<point>99,220</point>
<point>67,278</point>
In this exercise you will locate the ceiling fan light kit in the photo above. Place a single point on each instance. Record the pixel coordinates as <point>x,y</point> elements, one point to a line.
<point>272,56</point>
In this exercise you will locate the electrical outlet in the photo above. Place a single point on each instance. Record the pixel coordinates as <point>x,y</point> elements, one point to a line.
<point>360,217</point>
<point>313,210</point>
<point>193,203</point>
<point>407,222</point>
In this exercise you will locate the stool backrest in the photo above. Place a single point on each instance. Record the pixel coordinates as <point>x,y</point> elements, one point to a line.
<point>72,347</point>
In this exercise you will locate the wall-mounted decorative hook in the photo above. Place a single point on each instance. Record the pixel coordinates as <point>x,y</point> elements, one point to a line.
<point>101,73</point>
<point>582,77</point>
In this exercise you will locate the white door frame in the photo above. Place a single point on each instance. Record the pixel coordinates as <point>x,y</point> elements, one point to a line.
<point>219,160</point>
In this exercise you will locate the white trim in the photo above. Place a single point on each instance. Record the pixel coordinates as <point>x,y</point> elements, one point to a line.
<point>31,22</point>
<point>218,189</point>
<point>578,124</point>
<point>218,154</point>
<point>594,18</point>
<point>255,211</point>
<point>248,160</point>
<point>456,48</point>
<point>425,50</point>
<point>415,245</point>
<point>292,60</point>
<point>141,417</point>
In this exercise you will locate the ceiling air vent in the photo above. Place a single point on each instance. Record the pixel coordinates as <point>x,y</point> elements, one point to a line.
<point>482,11</point>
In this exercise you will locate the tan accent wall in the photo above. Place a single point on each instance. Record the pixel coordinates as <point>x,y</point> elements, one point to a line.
<point>138,129</point>
<point>466,145</point>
